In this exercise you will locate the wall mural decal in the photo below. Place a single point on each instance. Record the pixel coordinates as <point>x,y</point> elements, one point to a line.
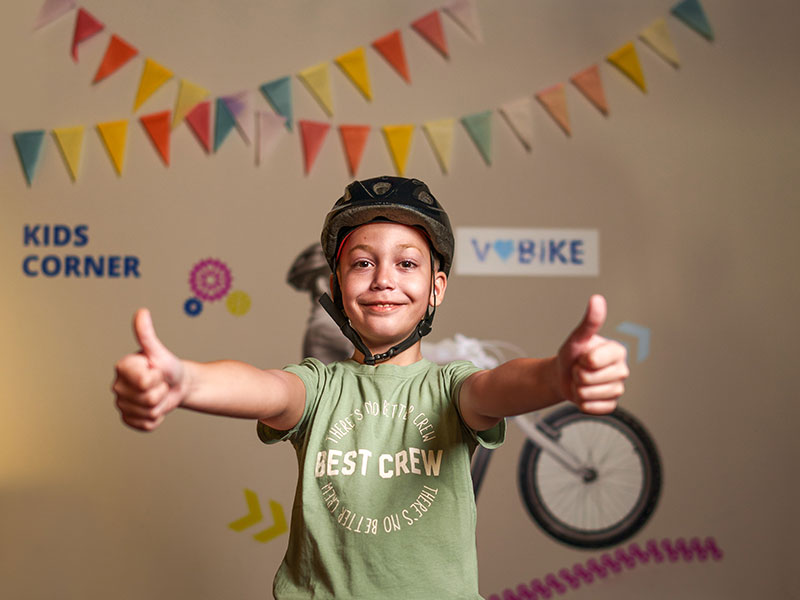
<point>211,280</point>
<point>254,516</point>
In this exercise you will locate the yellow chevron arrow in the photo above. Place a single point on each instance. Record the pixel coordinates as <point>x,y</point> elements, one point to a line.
<point>250,519</point>
<point>278,528</point>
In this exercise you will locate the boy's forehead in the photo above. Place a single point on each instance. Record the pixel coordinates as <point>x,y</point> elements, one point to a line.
<point>386,232</point>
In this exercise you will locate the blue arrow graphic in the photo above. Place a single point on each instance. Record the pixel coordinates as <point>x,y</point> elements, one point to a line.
<point>642,334</point>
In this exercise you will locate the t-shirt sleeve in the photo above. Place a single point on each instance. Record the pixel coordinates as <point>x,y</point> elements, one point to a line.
<point>311,372</point>
<point>458,372</point>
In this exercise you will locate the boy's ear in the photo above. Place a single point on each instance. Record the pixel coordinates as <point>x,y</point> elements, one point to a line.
<point>440,285</point>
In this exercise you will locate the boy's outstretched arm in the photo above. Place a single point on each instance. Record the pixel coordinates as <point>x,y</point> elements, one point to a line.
<point>589,370</point>
<point>153,382</point>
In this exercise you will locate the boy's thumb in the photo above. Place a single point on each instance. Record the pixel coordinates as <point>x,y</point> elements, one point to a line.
<point>592,321</point>
<point>145,333</point>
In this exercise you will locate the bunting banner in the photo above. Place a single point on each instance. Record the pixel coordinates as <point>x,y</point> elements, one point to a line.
<point>86,26</point>
<point>70,142</point>
<point>239,110</point>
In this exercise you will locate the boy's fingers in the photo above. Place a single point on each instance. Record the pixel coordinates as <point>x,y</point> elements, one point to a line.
<point>604,354</point>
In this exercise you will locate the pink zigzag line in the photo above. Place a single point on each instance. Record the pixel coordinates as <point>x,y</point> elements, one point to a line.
<point>622,559</point>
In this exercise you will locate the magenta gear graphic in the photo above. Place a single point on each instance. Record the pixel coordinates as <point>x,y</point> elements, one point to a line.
<point>210,279</point>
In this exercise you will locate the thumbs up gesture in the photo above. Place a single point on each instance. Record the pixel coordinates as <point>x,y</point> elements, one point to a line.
<point>150,383</point>
<point>592,369</point>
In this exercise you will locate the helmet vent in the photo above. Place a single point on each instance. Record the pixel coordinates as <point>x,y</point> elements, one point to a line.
<point>381,187</point>
<point>425,197</point>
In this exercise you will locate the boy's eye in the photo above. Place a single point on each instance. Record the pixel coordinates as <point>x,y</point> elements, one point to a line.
<point>361,264</point>
<point>408,264</point>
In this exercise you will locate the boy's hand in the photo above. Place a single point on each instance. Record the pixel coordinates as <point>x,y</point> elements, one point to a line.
<point>592,369</point>
<point>150,383</point>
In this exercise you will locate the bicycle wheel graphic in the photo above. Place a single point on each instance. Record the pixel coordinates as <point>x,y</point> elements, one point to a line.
<point>613,501</point>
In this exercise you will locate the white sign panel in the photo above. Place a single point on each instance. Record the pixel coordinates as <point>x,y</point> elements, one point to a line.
<point>535,252</point>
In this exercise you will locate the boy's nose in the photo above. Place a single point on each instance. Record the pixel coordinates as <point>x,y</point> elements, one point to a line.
<point>384,277</point>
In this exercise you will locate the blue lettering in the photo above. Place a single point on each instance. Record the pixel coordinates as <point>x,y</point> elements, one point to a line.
<point>527,251</point>
<point>481,255</point>
<point>26,265</point>
<point>61,235</point>
<point>51,266</point>
<point>81,235</point>
<point>30,235</point>
<point>555,251</point>
<point>576,252</point>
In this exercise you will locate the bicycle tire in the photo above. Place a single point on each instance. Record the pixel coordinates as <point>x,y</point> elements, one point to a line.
<point>635,480</point>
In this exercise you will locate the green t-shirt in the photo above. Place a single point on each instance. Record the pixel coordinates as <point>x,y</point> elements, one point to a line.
<point>384,506</point>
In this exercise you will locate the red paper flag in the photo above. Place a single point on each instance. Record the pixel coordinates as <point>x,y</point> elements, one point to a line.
<point>313,133</point>
<point>589,83</point>
<point>117,54</point>
<point>391,48</point>
<point>199,120</point>
<point>354,138</point>
<point>157,127</point>
<point>430,27</point>
<point>85,27</point>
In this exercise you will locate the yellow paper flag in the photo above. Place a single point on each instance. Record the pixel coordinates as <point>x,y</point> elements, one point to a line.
<point>318,82</point>
<point>354,65</point>
<point>154,76</point>
<point>627,61</point>
<point>114,134</point>
<point>657,37</point>
<point>70,142</point>
<point>440,135</point>
<point>398,138</point>
<point>189,96</point>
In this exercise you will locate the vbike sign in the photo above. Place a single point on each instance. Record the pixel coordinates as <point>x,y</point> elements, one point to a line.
<point>533,252</point>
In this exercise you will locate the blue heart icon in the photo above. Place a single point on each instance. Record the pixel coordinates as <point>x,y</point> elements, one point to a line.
<point>504,248</point>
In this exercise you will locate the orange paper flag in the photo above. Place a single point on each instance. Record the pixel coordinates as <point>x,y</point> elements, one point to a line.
<point>85,27</point>
<point>117,54</point>
<point>430,27</point>
<point>391,48</point>
<point>589,83</point>
<point>313,134</point>
<point>354,138</point>
<point>157,127</point>
<point>554,100</point>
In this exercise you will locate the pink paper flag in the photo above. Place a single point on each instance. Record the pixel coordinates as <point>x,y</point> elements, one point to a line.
<point>313,134</point>
<point>354,139</point>
<point>465,13</point>
<point>554,100</point>
<point>52,10</point>
<point>199,120</point>
<point>271,129</point>
<point>589,83</point>
<point>430,27</point>
<point>86,26</point>
<point>157,127</point>
<point>117,54</point>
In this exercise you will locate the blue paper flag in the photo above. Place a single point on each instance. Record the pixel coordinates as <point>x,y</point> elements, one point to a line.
<point>279,94</point>
<point>29,147</point>
<point>224,121</point>
<point>479,127</point>
<point>692,13</point>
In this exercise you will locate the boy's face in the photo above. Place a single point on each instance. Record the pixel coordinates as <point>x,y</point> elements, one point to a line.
<point>385,279</point>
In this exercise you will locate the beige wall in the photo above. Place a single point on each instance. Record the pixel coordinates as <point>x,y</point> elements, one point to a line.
<point>690,186</point>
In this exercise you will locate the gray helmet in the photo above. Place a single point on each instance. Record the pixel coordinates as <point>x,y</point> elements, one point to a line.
<point>395,199</point>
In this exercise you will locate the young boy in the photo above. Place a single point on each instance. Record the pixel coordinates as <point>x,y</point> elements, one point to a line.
<point>384,505</point>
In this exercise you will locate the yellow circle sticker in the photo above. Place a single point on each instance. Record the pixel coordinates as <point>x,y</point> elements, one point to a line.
<point>238,303</point>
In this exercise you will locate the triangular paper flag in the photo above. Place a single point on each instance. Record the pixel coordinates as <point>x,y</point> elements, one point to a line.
<point>313,134</point>
<point>391,48</point>
<point>692,14</point>
<point>114,134</point>
<point>440,136</point>
<point>224,121</point>
<point>657,37</point>
<point>279,94</point>
<point>189,96</point>
<point>430,27</point>
<point>199,121</point>
<point>70,142</point>
<point>154,76</point>
<point>354,139</point>
<point>554,100</point>
<point>479,128</point>
<point>271,128</point>
<point>627,61</point>
<point>29,148</point>
<point>52,10</point>
<point>354,65</point>
<point>398,138</point>
<point>157,126</point>
<point>519,116</point>
<point>318,82</point>
<point>85,27</point>
<point>589,83</point>
<point>117,54</point>
<point>241,107</point>
<point>465,13</point>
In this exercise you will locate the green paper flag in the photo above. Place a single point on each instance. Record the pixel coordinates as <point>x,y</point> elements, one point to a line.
<point>279,94</point>
<point>479,127</point>
<point>224,121</point>
<point>29,148</point>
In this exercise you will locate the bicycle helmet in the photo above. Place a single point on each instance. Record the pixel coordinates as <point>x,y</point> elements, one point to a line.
<point>305,269</point>
<point>394,199</point>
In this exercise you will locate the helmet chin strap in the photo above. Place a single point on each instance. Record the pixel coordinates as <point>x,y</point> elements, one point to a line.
<point>423,328</point>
